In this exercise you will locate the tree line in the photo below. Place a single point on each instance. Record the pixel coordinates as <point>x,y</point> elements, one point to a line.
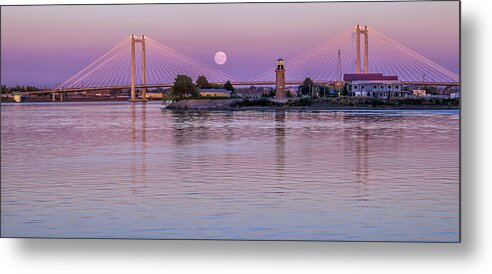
<point>312,89</point>
<point>5,89</point>
<point>183,86</point>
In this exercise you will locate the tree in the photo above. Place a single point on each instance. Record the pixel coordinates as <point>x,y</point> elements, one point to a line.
<point>202,82</point>
<point>228,86</point>
<point>306,87</point>
<point>18,88</point>
<point>431,90</point>
<point>213,85</point>
<point>5,89</point>
<point>183,85</point>
<point>345,90</point>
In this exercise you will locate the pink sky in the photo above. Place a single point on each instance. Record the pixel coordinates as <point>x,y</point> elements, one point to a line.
<point>45,45</point>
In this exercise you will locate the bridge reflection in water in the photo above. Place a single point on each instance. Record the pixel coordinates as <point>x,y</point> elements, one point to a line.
<point>138,144</point>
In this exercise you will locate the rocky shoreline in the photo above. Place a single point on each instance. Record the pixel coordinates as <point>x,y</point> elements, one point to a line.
<point>238,104</point>
<point>204,103</point>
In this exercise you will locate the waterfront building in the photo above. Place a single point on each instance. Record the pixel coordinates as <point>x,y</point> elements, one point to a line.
<point>373,85</point>
<point>215,92</point>
<point>454,95</point>
<point>419,92</point>
<point>153,95</point>
<point>254,92</point>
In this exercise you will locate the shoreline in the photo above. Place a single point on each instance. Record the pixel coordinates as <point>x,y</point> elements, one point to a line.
<point>67,100</point>
<point>325,104</point>
<point>319,108</point>
<point>227,107</point>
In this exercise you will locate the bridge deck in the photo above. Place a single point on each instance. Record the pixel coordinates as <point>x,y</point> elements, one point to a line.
<point>261,83</point>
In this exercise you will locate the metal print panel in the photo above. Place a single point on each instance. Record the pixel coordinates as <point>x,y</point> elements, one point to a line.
<point>254,121</point>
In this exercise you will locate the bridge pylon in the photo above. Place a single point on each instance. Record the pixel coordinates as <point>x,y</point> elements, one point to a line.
<point>359,30</point>
<point>133,97</point>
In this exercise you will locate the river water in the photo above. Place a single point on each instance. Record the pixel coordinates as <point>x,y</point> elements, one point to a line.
<point>114,170</point>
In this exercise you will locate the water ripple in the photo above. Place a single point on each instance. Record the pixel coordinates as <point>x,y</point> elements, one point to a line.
<point>113,170</point>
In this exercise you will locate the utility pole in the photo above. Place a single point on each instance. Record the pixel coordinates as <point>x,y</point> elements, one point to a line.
<point>339,66</point>
<point>423,81</point>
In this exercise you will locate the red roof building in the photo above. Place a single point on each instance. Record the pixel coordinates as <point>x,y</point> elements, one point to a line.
<point>368,77</point>
<point>373,85</point>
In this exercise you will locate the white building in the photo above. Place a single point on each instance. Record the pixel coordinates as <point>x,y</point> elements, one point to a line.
<point>454,95</point>
<point>419,92</point>
<point>373,85</point>
<point>376,89</point>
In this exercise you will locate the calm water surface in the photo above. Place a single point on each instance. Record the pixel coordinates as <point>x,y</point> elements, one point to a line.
<point>117,170</point>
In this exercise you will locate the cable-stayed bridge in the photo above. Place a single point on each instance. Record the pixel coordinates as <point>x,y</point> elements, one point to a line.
<point>139,62</point>
<point>162,65</point>
<point>384,56</point>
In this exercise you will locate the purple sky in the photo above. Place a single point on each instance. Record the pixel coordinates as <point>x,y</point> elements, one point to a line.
<point>45,45</point>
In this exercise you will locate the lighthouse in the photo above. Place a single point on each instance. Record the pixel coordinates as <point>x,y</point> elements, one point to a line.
<point>280,80</point>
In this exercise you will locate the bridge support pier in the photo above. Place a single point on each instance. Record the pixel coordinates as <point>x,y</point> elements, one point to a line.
<point>133,96</point>
<point>144,89</point>
<point>358,32</point>
<point>132,76</point>
<point>55,94</point>
<point>357,49</point>
<point>366,50</point>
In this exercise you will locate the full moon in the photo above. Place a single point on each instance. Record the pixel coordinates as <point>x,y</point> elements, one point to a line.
<point>220,58</point>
